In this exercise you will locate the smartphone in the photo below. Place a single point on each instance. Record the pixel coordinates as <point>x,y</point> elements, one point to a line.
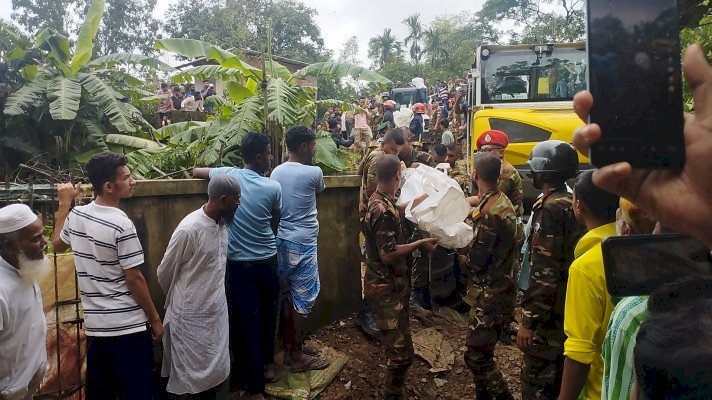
<point>638,265</point>
<point>635,78</point>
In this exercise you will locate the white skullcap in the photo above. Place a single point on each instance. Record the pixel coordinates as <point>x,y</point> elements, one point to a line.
<point>15,217</point>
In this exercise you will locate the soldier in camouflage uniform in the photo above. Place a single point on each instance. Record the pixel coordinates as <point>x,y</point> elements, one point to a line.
<point>551,250</point>
<point>458,167</point>
<point>387,280</point>
<point>393,142</point>
<point>491,290</point>
<point>434,126</point>
<point>510,182</point>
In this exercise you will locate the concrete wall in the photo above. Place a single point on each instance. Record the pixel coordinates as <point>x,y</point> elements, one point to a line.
<point>158,206</point>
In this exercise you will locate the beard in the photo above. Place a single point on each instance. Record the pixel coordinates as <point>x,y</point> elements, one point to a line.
<point>33,271</point>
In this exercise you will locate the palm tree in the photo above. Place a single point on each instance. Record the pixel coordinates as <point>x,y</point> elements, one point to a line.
<point>415,35</point>
<point>383,48</point>
<point>434,46</point>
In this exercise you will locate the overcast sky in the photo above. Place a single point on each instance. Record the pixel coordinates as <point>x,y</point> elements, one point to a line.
<point>339,20</point>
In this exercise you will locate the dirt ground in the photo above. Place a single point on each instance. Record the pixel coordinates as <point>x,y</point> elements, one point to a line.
<point>363,375</point>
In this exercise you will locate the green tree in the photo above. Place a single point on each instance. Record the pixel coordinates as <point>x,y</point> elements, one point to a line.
<point>349,53</point>
<point>70,95</point>
<point>127,25</point>
<point>434,46</point>
<point>415,34</point>
<point>538,21</point>
<point>240,24</point>
<point>36,14</point>
<point>384,48</point>
<point>212,21</point>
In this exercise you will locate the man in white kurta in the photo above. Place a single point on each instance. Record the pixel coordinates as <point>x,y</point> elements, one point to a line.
<point>23,355</point>
<point>196,357</point>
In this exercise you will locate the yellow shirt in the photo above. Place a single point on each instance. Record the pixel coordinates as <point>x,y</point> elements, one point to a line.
<point>588,308</point>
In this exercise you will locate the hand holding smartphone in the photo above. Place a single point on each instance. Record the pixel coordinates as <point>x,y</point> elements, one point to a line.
<point>635,78</point>
<point>637,265</point>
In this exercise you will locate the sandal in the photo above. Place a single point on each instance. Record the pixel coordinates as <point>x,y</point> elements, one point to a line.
<point>311,350</point>
<point>315,364</point>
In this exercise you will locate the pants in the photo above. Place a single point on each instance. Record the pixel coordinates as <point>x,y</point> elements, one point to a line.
<point>442,273</point>
<point>120,367</point>
<point>399,346</point>
<point>479,357</point>
<point>542,372</point>
<point>362,139</point>
<point>421,95</point>
<point>252,292</point>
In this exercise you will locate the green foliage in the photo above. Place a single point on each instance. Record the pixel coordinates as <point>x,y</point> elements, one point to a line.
<point>327,155</point>
<point>127,25</point>
<point>698,30</point>
<point>71,100</point>
<point>238,24</point>
<point>415,35</point>
<point>384,48</point>
<point>334,69</point>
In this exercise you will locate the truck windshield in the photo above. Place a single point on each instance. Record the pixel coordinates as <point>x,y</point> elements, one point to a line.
<point>511,76</point>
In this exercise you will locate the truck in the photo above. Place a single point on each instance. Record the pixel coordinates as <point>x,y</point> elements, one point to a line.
<point>527,92</point>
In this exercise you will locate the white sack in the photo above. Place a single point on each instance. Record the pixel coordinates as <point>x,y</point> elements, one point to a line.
<point>443,212</point>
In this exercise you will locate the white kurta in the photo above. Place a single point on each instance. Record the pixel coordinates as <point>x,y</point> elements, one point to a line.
<point>196,355</point>
<point>23,352</point>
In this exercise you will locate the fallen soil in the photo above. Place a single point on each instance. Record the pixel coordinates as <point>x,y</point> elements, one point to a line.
<point>363,375</point>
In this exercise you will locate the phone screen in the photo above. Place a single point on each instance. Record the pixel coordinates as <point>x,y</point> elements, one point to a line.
<point>637,265</point>
<point>635,78</point>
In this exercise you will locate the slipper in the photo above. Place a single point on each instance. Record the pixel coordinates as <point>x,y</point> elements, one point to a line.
<point>315,364</point>
<point>271,376</point>
<point>310,350</point>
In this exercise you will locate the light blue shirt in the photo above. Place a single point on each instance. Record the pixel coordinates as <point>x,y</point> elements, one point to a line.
<point>300,185</point>
<point>250,236</point>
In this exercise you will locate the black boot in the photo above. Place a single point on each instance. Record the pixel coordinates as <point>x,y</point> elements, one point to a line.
<point>368,325</point>
<point>481,392</point>
<point>425,298</point>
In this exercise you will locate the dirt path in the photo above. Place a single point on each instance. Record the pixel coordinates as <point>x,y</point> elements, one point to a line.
<point>363,375</point>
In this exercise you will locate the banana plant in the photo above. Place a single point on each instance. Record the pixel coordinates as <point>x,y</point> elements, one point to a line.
<point>282,101</point>
<point>76,92</point>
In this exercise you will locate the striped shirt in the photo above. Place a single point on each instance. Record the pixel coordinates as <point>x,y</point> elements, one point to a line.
<point>104,243</point>
<point>618,347</point>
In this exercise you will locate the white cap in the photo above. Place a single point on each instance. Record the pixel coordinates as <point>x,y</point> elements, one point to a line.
<point>15,217</point>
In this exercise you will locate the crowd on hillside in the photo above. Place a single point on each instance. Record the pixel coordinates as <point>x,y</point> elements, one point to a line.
<point>247,258</point>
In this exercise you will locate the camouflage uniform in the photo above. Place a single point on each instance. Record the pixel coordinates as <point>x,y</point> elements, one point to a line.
<point>387,288</point>
<point>490,292</point>
<point>416,157</point>
<point>510,183</point>
<point>461,176</point>
<point>368,181</point>
<point>436,131</point>
<point>551,251</point>
<point>376,118</point>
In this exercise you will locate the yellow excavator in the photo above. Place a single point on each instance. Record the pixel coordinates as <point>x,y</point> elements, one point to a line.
<point>527,92</point>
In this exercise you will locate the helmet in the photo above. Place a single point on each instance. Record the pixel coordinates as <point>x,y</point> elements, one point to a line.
<point>385,94</point>
<point>419,108</point>
<point>389,105</point>
<point>554,156</point>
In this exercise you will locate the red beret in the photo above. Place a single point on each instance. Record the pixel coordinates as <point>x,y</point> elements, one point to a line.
<point>495,137</point>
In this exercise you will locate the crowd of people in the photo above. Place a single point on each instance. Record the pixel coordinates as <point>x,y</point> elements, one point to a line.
<point>358,129</point>
<point>183,98</point>
<point>250,253</point>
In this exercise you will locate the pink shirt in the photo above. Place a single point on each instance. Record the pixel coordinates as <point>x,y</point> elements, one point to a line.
<point>360,121</point>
